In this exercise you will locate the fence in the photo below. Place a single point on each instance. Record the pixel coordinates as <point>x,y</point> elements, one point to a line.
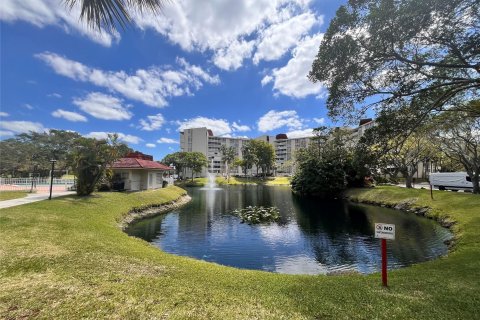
<point>37,184</point>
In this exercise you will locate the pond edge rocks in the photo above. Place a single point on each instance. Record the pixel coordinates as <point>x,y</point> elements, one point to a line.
<point>408,206</point>
<point>151,210</point>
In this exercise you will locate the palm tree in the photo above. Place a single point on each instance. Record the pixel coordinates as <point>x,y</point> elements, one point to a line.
<point>110,13</point>
<point>228,155</point>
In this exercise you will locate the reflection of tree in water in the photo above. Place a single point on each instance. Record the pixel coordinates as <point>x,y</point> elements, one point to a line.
<point>147,230</point>
<point>336,234</point>
<point>331,217</point>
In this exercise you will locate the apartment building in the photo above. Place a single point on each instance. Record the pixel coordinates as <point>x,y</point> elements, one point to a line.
<point>203,140</point>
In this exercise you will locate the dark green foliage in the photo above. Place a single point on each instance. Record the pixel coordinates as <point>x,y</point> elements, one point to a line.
<point>91,158</point>
<point>248,155</point>
<point>196,161</point>
<point>319,177</point>
<point>392,52</point>
<point>177,160</point>
<point>264,156</point>
<point>31,153</point>
<point>228,155</point>
<point>110,13</point>
<point>256,215</point>
<point>323,167</point>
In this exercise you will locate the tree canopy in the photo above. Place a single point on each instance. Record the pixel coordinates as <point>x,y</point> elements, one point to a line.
<point>110,13</point>
<point>388,53</point>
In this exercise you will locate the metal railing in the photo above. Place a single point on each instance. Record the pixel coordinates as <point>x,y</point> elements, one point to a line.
<point>35,183</point>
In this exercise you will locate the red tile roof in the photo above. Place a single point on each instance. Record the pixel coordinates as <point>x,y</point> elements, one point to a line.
<point>132,163</point>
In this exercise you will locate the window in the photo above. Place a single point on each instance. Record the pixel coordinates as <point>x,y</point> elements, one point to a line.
<point>468,179</point>
<point>159,178</point>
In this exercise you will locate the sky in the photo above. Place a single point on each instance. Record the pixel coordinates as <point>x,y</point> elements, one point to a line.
<point>238,67</point>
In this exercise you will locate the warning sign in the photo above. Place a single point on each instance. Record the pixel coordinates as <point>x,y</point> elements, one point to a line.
<point>385,231</point>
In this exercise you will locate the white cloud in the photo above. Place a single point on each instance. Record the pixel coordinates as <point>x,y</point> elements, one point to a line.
<point>167,140</point>
<point>152,123</point>
<point>21,126</point>
<point>239,127</point>
<point>267,79</point>
<point>219,127</point>
<point>300,133</point>
<point>103,106</point>
<point>278,38</point>
<point>291,80</point>
<point>28,106</point>
<point>277,119</point>
<point>222,27</point>
<point>150,145</point>
<point>121,136</point>
<point>52,12</point>
<point>69,115</point>
<point>319,120</point>
<point>54,95</point>
<point>3,114</point>
<point>152,86</point>
<point>231,57</point>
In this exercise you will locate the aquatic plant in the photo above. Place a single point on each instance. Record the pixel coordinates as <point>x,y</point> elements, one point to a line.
<point>255,215</point>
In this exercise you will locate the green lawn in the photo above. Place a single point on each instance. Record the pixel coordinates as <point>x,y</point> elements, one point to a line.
<point>8,195</point>
<point>68,259</point>
<point>200,182</point>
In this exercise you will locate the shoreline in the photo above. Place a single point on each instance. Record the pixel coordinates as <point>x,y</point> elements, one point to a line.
<point>408,206</point>
<point>139,213</point>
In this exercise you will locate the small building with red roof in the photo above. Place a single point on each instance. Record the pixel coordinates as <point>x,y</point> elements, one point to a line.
<point>137,171</point>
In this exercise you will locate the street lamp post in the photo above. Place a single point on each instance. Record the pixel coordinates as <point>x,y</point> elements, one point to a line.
<point>51,177</point>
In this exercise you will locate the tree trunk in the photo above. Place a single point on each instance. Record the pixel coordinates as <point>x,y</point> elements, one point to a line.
<point>408,181</point>
<point>476,183</point>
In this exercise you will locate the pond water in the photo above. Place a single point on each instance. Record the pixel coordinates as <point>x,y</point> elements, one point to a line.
<point>312,237</point>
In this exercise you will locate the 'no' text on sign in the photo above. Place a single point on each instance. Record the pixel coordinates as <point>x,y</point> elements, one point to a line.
<point>385,231</point>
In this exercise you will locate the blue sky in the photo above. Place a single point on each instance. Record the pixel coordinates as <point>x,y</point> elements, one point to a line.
<point>237,67</point>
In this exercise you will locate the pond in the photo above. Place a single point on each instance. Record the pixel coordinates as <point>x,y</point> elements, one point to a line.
<point>312,236</point>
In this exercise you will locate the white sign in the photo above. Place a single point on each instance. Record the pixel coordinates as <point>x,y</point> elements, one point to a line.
<point>385,231</point>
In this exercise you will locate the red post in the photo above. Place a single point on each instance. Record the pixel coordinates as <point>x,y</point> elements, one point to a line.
<point>384,262</point>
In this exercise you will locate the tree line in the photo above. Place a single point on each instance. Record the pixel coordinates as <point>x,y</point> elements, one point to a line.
<point>336,159</point>
<point>254,153</point>
<point>30,154</point>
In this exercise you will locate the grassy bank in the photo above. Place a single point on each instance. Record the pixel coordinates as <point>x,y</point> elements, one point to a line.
<point>8,195</point>
<point>67,259</point>
<point>200,182</point>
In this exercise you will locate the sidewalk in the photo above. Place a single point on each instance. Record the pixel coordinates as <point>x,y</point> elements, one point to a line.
<point>32,197</point>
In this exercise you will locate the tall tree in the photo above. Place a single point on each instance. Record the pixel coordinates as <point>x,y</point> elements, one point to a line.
<point>405,156</point>
<point>322,167</point>
<point>228,155</point>
<point>110,13</point>
<point>196,161</point>
<point>177,160</point>
<point>35,150</point>
<point>392,52</point>
<point>264,156</point>
<point>248,155</point>
<point>458,136</point>
<point>91,157</point>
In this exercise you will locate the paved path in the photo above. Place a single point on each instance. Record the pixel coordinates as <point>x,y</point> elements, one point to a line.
<point>32,197</point>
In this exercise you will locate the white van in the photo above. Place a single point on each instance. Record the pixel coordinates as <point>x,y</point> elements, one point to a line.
<point>451,181</point>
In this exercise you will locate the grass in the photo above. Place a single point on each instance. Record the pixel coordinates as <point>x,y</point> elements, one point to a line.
<point>271,181</point>
<point>67,259</point>
<point>8,195</point>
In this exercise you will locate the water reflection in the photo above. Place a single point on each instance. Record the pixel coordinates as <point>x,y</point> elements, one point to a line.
<point>312,237</point>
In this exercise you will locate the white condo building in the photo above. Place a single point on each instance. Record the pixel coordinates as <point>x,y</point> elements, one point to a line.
<point>202,140</point>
